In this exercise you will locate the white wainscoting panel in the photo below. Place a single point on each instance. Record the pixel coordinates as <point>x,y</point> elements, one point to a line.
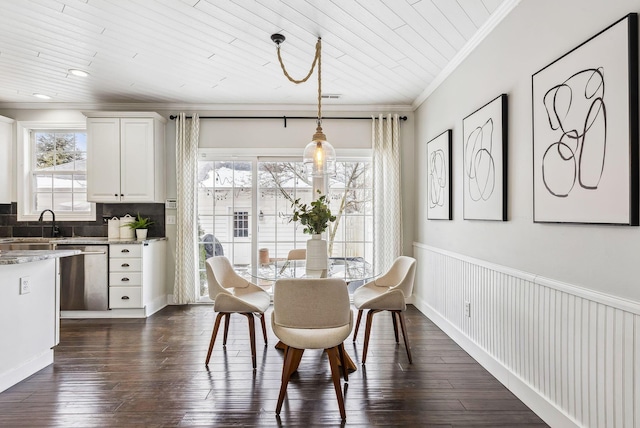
<point>571,354</point>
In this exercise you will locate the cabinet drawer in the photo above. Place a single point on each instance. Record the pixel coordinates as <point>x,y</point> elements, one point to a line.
<point>125,278</point>
<point>125,265</point>
<point>125,250</point>
<point>125,297</point>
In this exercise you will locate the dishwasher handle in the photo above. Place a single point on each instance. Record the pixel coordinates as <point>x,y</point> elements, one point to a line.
<point>83,253</point>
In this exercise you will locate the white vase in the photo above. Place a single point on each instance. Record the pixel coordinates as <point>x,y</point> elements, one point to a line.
<point>317,258</point>
<point>141,234</point>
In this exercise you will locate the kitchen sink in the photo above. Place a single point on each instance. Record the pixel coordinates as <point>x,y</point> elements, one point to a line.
<point>38,243</point>
<point>21,246</point>
<point>34,243</point>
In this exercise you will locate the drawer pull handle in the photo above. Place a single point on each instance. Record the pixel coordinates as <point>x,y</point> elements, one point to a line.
<point>125,264</point>
<point>125,251</point>
<point>125,297</point>
<point>125,279</point>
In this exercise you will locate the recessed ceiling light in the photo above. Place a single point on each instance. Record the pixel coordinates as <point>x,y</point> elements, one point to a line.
<point>79,73</point>
<point>42,96</point>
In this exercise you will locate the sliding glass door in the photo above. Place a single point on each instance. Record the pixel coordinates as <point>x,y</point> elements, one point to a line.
<point>244,209</point>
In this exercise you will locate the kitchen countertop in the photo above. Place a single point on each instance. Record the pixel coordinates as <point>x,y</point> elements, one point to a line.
<point>80,240</point>
<point>13,257</point>
<point>102,240</point>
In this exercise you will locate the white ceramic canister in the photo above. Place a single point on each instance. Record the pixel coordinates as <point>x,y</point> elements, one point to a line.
<point>125,231</point>
<point>113,228</point>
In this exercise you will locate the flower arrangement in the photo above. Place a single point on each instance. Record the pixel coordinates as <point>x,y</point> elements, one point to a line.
<point>314,217</point>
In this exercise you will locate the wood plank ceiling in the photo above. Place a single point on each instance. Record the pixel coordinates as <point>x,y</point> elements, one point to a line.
<point>203,52</point>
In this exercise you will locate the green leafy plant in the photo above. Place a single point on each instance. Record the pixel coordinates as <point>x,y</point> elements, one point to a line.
<point>314,217</point>
<point>139,223</point>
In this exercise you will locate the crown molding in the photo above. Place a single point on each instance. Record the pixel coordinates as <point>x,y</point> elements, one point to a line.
<point>496,17</point>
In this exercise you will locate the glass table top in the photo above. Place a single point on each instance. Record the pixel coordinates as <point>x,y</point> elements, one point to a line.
<point>351,269</point>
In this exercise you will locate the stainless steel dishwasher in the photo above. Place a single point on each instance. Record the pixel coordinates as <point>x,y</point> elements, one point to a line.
<point>84,278</point>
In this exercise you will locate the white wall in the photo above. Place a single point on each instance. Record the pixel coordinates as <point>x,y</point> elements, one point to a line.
<point>555,308</point>
<point>602,258</point>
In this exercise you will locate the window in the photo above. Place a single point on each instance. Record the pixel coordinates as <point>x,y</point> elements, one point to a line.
<point>54,172</point>
<point>241,224</point>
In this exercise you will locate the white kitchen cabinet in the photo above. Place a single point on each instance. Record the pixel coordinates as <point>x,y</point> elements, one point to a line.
<point>6,159</point>
<point>125,157</point>
<point>136,276</point>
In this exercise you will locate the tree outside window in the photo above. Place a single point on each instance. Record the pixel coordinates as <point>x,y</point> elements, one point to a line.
<point>59,170</point>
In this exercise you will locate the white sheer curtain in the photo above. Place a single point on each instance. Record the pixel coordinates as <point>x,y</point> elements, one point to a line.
<point>387,198</point>
<point>187,134</point>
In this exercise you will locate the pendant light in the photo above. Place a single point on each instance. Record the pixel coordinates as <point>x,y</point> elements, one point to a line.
<point>319,156</point>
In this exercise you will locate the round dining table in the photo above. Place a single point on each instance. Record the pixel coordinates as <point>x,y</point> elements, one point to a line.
<point>354,270</point>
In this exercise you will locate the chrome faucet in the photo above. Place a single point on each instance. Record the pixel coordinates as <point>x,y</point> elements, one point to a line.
<point>54,229</point>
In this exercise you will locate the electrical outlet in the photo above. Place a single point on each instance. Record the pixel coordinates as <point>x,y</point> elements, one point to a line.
<point>467,309</point>
<point>171,219</point>
<point>25,285</point>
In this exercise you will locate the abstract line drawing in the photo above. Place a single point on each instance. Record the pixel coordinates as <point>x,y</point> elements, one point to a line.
<point>439,177</point>
<point>576,110</point>
<point>479,165</point>
<point>585,131</point>
<point>484,159</point>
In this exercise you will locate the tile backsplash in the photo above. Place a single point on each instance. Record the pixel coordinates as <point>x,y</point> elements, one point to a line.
<point>11,227</point>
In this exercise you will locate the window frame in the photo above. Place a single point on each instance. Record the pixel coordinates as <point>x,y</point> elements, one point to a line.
<point>24,174</point>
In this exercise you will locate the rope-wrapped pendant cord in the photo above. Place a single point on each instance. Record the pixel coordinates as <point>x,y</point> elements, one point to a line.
<point>317,59</point>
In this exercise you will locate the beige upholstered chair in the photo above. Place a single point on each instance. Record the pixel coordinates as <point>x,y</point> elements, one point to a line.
<point>387,293</point>
<point>297,254</point>
<point>312,314</point>
<point>234,294</point>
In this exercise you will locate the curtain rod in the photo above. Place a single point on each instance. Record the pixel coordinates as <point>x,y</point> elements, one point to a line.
<point>284,118</point>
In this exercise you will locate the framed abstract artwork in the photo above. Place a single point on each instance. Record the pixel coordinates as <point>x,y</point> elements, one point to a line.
<point>439,177</point>
<point>485,162</point>
<point>585,131</point>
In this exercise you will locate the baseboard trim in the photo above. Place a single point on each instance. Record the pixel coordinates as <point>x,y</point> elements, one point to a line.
<point>18,374</point>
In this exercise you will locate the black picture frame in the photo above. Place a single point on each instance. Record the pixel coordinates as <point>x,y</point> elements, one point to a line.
<point>585,131</point>
<point>485,161</point>
<point>439,189</point>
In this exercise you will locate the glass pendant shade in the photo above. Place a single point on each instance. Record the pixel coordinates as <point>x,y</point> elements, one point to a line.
<point>319,158</point>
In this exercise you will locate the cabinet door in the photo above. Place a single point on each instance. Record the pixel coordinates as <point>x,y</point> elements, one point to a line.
<point>103,160</point>
<point>137,160</point>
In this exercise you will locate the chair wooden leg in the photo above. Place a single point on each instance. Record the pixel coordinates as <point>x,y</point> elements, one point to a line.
<point>213,336</point>
<point>343,362</point>
<point>226,329</point>
<point>335,376</point>
<point>355,333</point>
<point>291,355</point>
<point>252,337</point>
<point>395,325</point>
<point>404,336</point>
<point>367,333</point>
<point>264,328</point>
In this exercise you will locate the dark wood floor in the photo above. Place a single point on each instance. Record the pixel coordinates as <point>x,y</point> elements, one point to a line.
<point>151,373</point>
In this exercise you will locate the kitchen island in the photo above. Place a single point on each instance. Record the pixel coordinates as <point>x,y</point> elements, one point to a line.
<point>29,312</point>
